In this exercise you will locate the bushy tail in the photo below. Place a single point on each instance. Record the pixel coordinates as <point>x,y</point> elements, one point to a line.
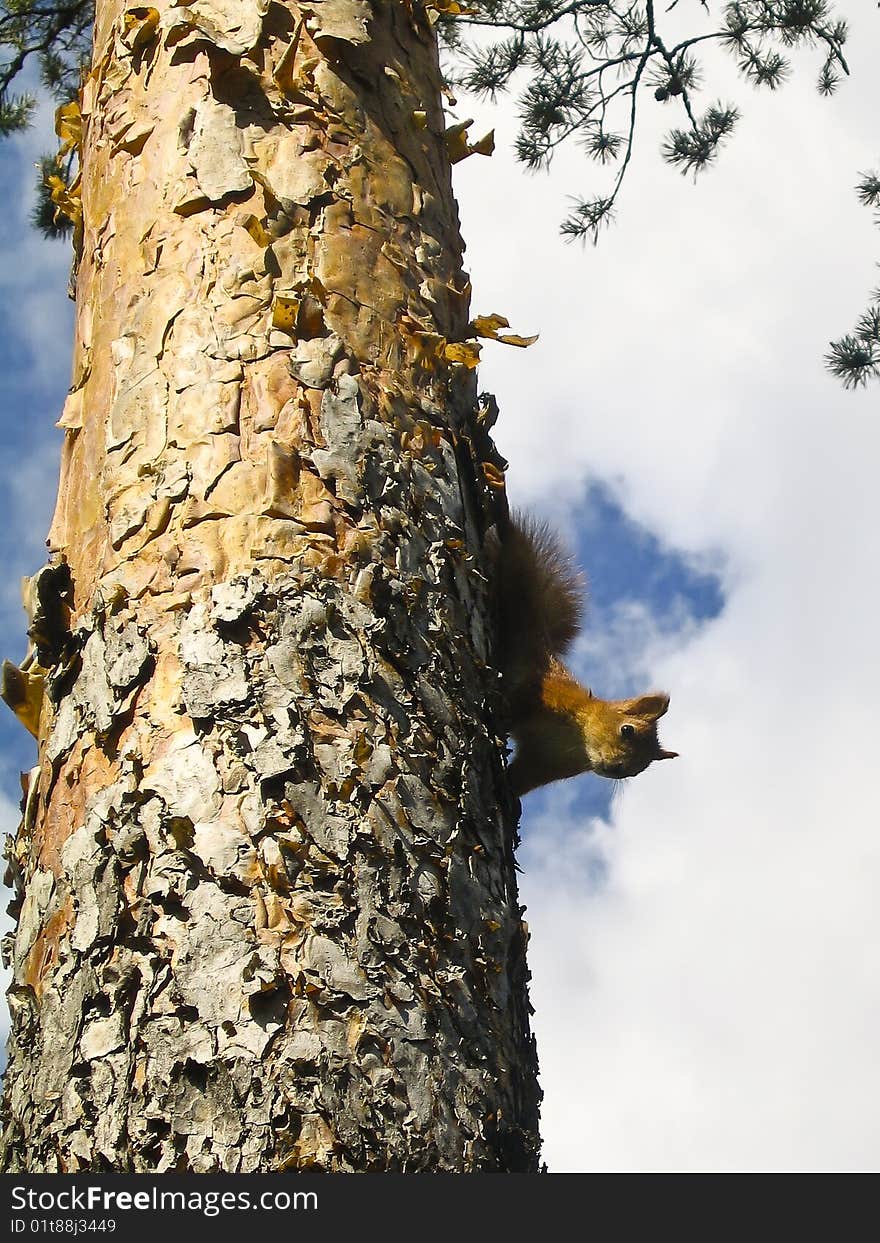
<point>540,601</point>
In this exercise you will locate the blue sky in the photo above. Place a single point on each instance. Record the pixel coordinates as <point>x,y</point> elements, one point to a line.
<point>628,560</point>
<point>703,937</point>
<point>36,324</point>
<point>630,572</point>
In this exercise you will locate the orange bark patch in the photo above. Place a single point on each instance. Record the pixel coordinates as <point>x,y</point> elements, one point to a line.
<point>86,772</point>
<point>43,954</point>
<point>269,404</point>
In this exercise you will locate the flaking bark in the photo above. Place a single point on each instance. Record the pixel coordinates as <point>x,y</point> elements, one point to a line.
<point>267,909</point>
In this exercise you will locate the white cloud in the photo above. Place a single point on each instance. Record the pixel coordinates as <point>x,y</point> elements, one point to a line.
<point>702,968</point>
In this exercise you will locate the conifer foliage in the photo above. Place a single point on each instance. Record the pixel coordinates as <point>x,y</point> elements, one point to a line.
<point>57,36</point>
<point>585,68</point>
<point>855,358</point>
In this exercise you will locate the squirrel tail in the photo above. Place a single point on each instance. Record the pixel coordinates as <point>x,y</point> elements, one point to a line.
<point>540,602</point>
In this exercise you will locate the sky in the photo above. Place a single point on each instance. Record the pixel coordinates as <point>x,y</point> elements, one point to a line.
<point>36,328</point>
<point>704,938</point>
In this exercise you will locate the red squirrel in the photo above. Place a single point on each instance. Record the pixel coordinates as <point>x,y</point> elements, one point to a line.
<point>560,727</point>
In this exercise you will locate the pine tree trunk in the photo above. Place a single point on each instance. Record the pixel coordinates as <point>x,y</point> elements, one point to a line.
<point>269,915</point>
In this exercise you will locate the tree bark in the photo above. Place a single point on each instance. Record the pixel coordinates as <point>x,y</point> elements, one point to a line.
<point>268,914</point>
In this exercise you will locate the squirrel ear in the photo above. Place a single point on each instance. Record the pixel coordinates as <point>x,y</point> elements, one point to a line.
<point>651,707</point>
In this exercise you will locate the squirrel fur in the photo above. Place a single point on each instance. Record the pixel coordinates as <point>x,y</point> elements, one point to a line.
<point>560,728</point>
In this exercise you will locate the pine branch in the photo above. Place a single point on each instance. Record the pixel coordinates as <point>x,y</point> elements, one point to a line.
<point>575,64</point>
<point>692,150</point>
<point>59,37</point>
<point>853,361</point>
<point>855,358</point>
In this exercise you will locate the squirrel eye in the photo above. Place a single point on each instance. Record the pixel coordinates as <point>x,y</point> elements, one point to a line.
<point>627,731</point>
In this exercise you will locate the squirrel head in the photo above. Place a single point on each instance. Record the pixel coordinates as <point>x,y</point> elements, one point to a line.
<point>577,732</point>
<point>571,731</point>
<point>620,736</point>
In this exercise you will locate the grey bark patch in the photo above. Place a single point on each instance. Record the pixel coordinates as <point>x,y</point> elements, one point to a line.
<point>305,1046</point>
<point>127,652</point>
<point>65,729</point>
<point>379,766</point>
<point>186,779</point>
<point>346,20</point>
<point>91,879</point>
<point>348,436</point>
<point>32,915</point>
<point>423,810</point>
<point>330,832</point>
<point>285,662</point>
<point>231,602</point>
<point>103,1036</point>
<point>94,696</point>
<point>224,850</point>
<point>208,690</point>
<point>216,152</point>
<point>312,361</point>
<point>277,756</point>
<point>330,962</point>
